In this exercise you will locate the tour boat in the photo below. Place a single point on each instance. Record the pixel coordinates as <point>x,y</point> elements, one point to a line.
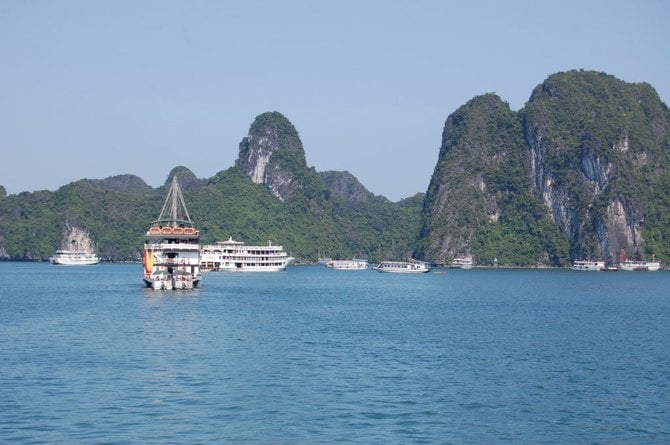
<point>235,256</point>
<point>171,253</point>
<point>588,265</point>
<point>639,266</point>
<point>462,263</point>
<point>412,266</point>
<point>353,264</point>
<point>74,258</point>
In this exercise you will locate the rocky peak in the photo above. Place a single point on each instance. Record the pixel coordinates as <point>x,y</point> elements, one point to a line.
<point>345,186</point>
<point>272,154</point>
<point>121,183</point>
<point>187,179</point>
<point>591,136</point>
<point>481,167</point>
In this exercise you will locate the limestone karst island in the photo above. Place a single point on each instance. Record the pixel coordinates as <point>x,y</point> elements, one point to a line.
<point>581,172</point>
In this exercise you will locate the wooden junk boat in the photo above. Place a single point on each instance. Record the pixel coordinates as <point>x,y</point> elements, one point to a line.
<point>171,251</point>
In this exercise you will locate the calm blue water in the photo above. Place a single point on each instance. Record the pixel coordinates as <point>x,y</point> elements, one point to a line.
<point>313,355</point>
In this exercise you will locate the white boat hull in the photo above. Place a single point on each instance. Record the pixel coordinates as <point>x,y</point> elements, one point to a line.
<point>250,269</point>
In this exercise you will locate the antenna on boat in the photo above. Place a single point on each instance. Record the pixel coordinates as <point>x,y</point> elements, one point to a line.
<point>174,202</point>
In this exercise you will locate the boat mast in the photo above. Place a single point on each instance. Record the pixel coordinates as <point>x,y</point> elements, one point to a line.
<point>174,203</point>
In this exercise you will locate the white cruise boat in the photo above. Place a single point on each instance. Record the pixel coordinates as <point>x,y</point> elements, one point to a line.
<point>411,266</point>
<point>629,265</point>
<point>588,265</point>
<point>353,264</point>
<point>235,256</point>
<point>462,263</point>
<point>171,253</point>
<point>639,266</point>
<point>74,258</point>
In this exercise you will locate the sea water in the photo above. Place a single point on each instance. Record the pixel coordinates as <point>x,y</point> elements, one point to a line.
<point>314,355</point>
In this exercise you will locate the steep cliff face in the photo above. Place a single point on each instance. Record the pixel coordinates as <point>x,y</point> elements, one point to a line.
<point>583,171</point>
<point>272,154</point>
<point>596,145</point>
<point>481,178</point>
<point>76,238</point>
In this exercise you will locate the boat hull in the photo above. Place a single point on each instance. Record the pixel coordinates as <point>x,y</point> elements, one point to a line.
<point>76,263</point>
<point>171,283</point>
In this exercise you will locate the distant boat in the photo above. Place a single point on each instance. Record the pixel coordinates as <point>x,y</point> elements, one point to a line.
<point>74,258</point>
<point>588,265</point>
<point>411,266</point>
<point>462,263</point>
<point>77,248</point>
<point>628,265</point>
<point>171,254</point>
<point>353,264</point>
<point>639,266</point>
<point>235,256</point>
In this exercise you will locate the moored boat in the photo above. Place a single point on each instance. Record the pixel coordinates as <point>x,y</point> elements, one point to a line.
<point>353,264</point>
<point>74,258</point>
<point>412,266</point>
<point>588,265</point>
<point>171,253</point>
<point>638,265</point>
<point>76,249</point>
<point>462,263</point>
<point>235,256</point>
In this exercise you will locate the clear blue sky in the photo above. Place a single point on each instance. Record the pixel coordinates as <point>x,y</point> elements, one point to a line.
<point>91,89</point>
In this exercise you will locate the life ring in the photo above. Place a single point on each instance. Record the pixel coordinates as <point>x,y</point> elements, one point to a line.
<point>166,230</point>
<point>177,230</point>
<point>189,231</point>
<point>154,230</point>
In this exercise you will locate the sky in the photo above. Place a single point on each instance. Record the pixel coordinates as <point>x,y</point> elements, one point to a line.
<point>92,89</point>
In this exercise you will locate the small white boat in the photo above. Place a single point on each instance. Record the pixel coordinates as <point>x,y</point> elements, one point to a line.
<point>412,266</point>
<point>462,263</point>
<point>74,258</point>
<point>354,264</point>
<point>588,265</point>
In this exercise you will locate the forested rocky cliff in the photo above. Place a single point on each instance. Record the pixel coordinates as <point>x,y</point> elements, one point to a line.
<point>271,193</point>
<point>581,171</point>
